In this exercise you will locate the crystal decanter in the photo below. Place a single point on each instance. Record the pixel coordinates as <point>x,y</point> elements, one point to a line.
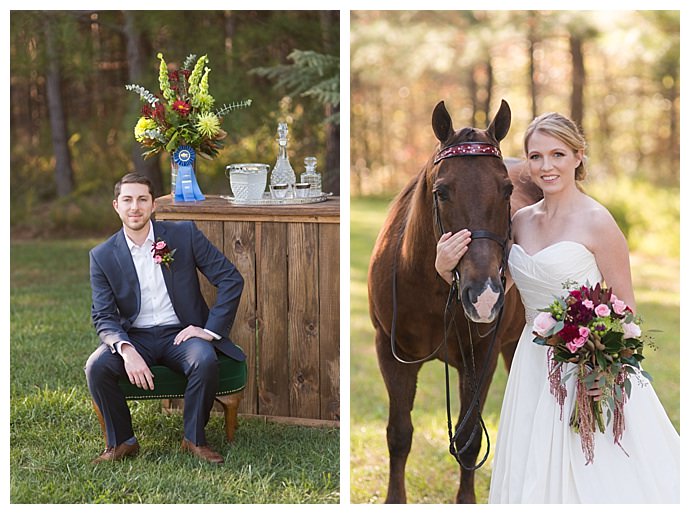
<point>311,177</point>
<point>282,172</point>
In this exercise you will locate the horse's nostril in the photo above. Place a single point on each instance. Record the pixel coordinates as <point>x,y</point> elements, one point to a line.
<point>470,295</point>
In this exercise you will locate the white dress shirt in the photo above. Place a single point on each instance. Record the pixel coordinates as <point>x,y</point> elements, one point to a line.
<point>156,308</point>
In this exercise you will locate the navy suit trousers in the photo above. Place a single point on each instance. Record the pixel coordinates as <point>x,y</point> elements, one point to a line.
<point>195,358</point>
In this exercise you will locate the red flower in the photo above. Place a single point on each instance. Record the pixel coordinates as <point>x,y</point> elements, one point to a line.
<point>159,113</point>
<point>569,332</point>
<point>182,107</point>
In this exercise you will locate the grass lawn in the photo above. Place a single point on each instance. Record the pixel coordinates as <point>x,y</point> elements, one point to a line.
<point>432,474</point>
<point>54,432</point>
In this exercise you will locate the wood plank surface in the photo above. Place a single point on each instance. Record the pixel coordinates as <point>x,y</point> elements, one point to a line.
<point>329,320</point>
<point>303,319</point>
<point>272,311</point>
<point>240,248</point>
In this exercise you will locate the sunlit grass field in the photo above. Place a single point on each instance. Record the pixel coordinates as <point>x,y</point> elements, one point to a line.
<point>432,475</point>
<point>54,432</point>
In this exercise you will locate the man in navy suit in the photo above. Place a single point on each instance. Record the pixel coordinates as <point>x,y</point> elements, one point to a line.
<point>151,312</point>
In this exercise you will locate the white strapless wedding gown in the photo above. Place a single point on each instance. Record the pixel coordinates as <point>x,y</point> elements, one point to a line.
<point>538,458</point>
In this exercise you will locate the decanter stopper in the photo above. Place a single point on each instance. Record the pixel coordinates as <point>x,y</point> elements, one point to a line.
<point>311,176</point>
<point>282,172</point>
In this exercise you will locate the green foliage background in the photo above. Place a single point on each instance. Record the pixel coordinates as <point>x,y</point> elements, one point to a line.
<point>101,114</point>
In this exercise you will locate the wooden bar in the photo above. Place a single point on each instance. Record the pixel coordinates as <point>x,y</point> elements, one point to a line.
<point>288,322</point>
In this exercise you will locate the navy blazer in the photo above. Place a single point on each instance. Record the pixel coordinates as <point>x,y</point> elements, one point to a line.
<point>116,294</point>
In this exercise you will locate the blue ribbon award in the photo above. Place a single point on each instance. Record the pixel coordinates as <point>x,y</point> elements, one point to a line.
<point>186,186</point>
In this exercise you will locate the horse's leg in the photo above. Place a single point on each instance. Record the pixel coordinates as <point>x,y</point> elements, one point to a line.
<point>401,384</point>
<point>466,492</point>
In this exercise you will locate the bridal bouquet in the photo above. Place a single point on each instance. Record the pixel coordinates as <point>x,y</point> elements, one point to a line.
<point>184,112</point>
<point>598,333</point>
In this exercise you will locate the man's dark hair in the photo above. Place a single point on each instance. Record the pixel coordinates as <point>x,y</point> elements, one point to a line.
<point>133,178</point>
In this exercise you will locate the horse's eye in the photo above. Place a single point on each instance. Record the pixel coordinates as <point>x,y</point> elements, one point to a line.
<point>441,192</point>
<point>508,190</point>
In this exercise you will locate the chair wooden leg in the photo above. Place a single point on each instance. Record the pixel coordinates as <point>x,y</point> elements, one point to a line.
<point>100,420</point>
<point>230,405</point>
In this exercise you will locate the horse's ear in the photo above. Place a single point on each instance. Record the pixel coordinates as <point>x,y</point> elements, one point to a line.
<point>441,122</point>
<point>501,123</point>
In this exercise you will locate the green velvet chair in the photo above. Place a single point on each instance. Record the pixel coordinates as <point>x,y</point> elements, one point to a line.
<point>170,385</point>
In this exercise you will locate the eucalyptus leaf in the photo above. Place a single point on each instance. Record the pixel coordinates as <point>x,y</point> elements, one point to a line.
<point>627,385</point>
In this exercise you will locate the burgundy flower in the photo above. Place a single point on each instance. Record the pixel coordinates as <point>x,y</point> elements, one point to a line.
<point>159,113</point>
<point>182,107</point>
<point>569,332</point>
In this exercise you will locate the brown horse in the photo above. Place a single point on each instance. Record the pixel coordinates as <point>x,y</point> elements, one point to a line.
<point>464,184</point>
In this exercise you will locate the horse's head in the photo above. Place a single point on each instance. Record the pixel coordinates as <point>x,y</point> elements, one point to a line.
<point>471,189</point>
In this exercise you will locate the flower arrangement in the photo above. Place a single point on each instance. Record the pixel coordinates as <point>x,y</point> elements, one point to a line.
<point>182,114</point>
<point>598,333</point>
<point>162,254</point>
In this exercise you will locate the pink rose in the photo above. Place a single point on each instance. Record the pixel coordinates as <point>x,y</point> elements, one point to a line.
<point>543,323</point>
<point>157,259</point>
<point>602,310</point>
<point>584,333</point>
<point>631,330</point>
<point>160,245</point>
<point>589,304</point>
<point>577,343</point>
<point>618,305</point>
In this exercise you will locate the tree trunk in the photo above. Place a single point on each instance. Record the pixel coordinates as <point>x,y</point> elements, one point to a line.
<point>578,64</point>
<point>532,40</point>
<point>150,167</point>
<point>229,29</point>
<point>489,88</point>
<point>332,176</point>
<point>472,86</point>
<point>64,176</point>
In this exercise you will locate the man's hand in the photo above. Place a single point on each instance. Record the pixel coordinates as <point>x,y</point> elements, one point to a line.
<point>192,331</point>
<point>138,372</point>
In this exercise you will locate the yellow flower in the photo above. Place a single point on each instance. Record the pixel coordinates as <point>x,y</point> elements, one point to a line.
<point>208,125</point>
<point>142,126</point>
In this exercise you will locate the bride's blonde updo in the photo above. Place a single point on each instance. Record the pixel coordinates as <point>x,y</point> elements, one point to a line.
<point>562,128</point>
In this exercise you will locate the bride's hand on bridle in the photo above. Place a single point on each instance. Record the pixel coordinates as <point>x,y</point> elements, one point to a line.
<point>449,250</point>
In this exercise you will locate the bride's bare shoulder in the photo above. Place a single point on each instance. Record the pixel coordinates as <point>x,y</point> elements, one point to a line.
<point>524,217</point>
<point>600,221</point>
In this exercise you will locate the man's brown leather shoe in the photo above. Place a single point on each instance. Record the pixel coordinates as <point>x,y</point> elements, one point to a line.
<point>202,452</point>
<point>118,452</point>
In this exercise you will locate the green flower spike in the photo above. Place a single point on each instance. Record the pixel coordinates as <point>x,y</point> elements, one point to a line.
<point>164,81</point>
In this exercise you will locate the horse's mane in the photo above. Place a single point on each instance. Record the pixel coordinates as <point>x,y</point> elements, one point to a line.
<point>416,212</point>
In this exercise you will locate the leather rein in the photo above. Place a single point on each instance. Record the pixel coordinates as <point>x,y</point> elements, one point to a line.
<point>461,150</point>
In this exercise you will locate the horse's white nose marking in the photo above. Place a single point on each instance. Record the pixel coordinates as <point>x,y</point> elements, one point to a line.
<point>486,302</point>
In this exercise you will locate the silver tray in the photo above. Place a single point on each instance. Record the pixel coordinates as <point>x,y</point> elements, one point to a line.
<point>269,200</point>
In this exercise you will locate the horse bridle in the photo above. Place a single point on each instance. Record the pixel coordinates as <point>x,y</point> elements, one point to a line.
<point>463,150</point>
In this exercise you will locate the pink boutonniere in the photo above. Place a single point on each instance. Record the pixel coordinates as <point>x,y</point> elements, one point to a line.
<point>162,253</point>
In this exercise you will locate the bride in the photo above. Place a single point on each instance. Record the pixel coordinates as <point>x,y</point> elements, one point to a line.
<point>568,236</point>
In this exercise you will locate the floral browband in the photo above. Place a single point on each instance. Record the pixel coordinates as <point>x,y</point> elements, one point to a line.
<point>467,149</point>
